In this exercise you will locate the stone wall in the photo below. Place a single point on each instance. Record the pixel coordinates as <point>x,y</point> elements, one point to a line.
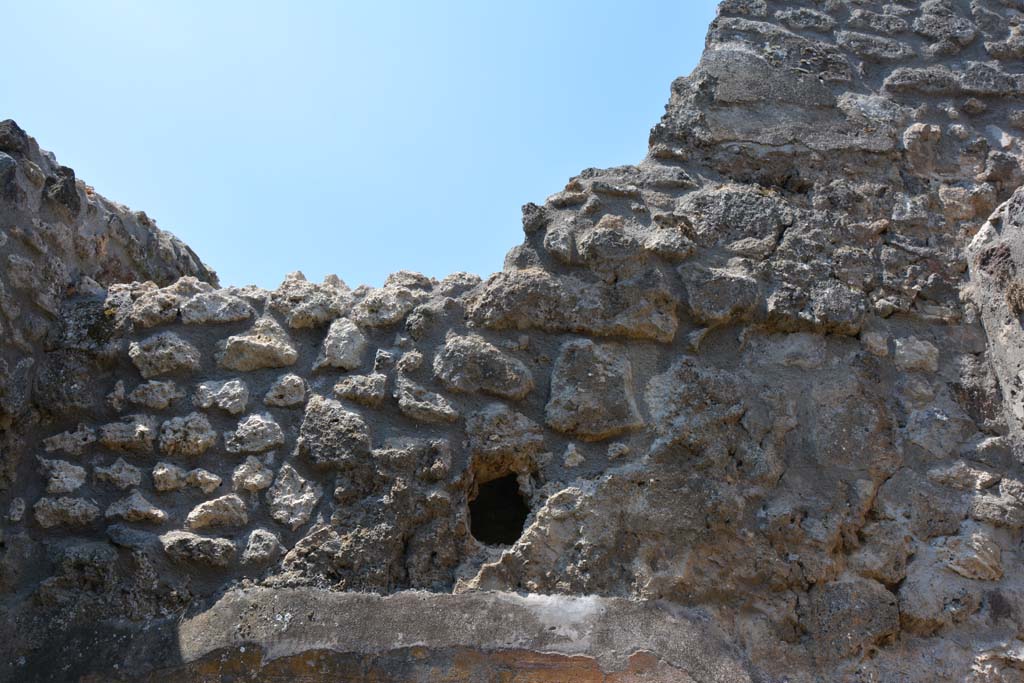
<point>767,380</point>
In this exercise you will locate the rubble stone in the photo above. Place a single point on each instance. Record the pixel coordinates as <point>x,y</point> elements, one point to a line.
<point>255,434</point>
<point>591,392</point>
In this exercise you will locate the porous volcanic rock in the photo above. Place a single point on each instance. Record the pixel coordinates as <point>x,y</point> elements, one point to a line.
<point>748,410</point>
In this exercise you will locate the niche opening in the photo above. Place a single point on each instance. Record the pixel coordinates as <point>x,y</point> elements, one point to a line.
<point>498,513</point>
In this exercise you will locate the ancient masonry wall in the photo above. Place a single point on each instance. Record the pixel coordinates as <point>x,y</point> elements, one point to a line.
<point>770,378</point>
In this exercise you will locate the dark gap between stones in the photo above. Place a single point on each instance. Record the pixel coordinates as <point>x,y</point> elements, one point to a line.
<point>498,513</point>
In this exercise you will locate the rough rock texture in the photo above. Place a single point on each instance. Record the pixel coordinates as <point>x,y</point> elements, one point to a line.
<point>750,410</point>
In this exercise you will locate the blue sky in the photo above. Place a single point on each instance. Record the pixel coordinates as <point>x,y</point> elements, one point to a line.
<point>343,137</point>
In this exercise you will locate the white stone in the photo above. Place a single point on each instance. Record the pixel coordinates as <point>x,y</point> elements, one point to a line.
<point>252,475</point>
<point>168,477</point>
<point>227,510</point>
<point>255,434</point>
<point>287,391</point>
<point>292,498</point>
<point>204,480</point>
<point>262,548</point>
<point>190,435</point>
<point>230,395</point>
<point>343,347</point>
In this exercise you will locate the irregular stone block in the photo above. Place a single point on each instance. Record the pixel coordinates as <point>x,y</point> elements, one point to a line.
<point>215,307</point>
<point>120,474</point>
<point>287,391</point>
<point>592,392</point>
<point>229,395</point>
<point>974,555</point>
<point>1001,509</point>
<point>932,597</point>
<point>227,510</point>
<point>422,405</point>
<point>168,477</point>
<point>64,511</point>
<point>188,548</point>
<point>641,307</point>
<point>252,475</point>
<point>720,295</point>
<point>292,499</point>
<point>502,441</point>
<point>265,345</point>
<point>135,508</point>
<point>331,436</point>
<point>61,476</point>
<point>262,548</point>
<point>386,306</point>
<point>164,354</point>
<point>370,390</point>
<point>913,354</point>
<point>156,394</point>
<point>471,364</point>
<point>190,435</point>
<point>343,348</point>
<point>204,480</point>
<point>135,433</point>
<point>847,617</point>
<point>255,434</point>
<point>305,304</point>
<point>72,443</point>
<point>874,48</point>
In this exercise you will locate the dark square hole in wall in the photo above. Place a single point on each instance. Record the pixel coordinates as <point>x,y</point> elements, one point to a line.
<point>498,513</point>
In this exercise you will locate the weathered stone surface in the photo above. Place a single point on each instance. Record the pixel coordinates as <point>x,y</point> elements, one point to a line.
<point>331,436</point>
<point>265,345</point>
<point>254,434</point>
<point>61,476</point>
<point>592,392</point>
<point>215,307</point>
<point>471,364</point>
<point>845,617</point>
<point>423,405</point>
<point>287,391</point>
<point>230,395</point>
<point>120,474</point>
<point>305,304</point>
<point>190,436</point>
<point>163,354</point>
<point>291,498</point>
<point>186,547</point>
<point>156,394</point>
<point>343,348</point>
<point>135,508</point>
<point>262,548</point>
<point>370,390</point>
<point>252,475</point>
<point>227,510</point>
<point>822,473</point>
<point>135,433</point>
